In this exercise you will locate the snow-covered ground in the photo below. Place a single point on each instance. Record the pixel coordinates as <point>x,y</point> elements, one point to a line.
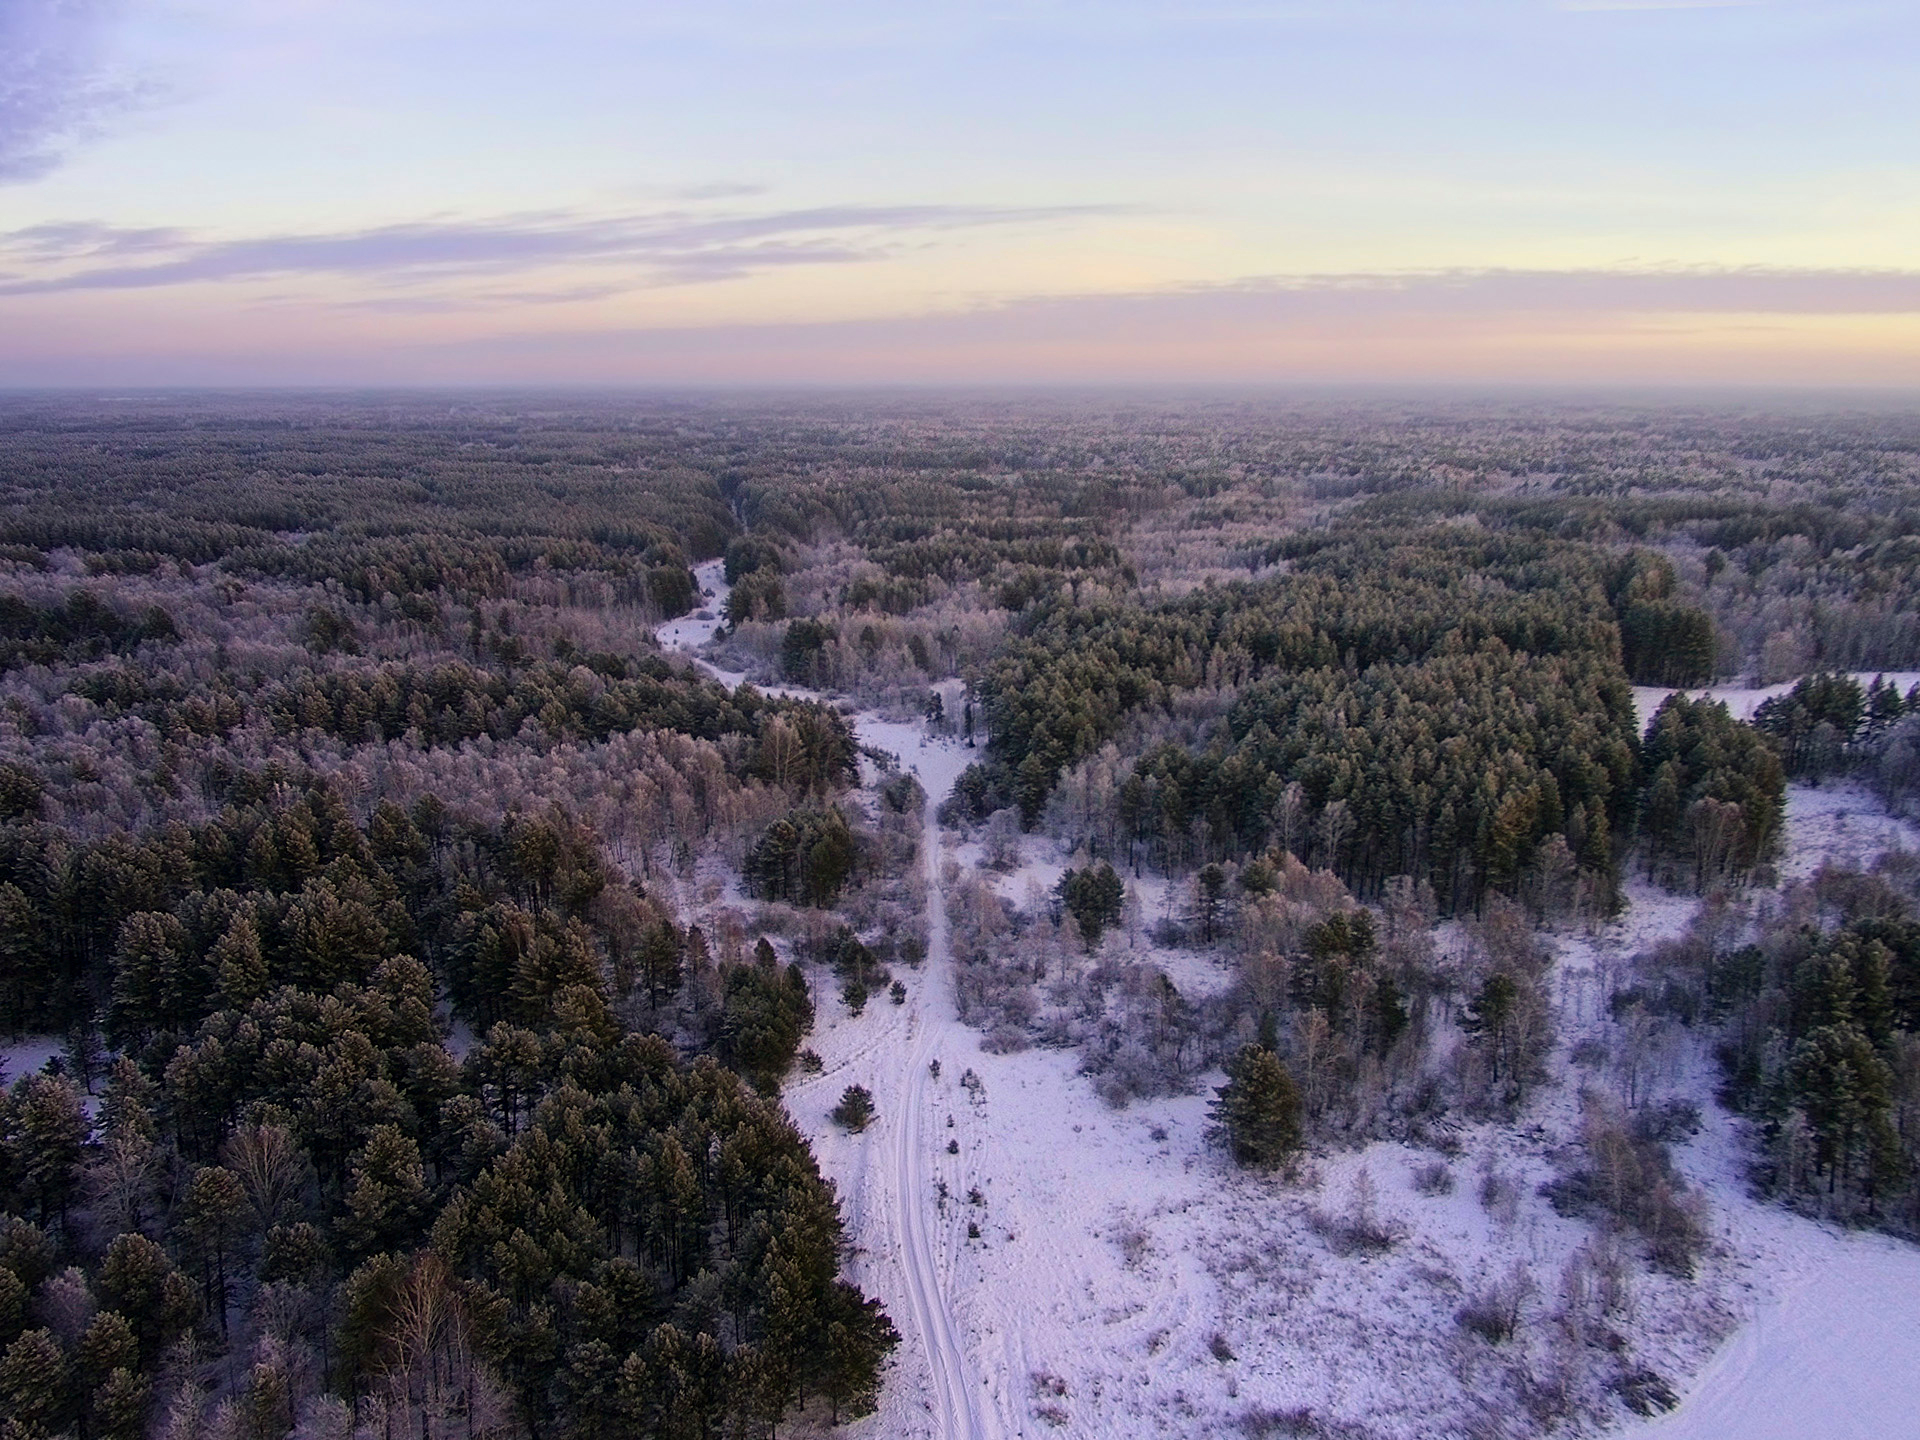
<point>28,1054</point>
<point>691,632</point>
<point>1059,1267</point>
<point>1839,822</point>
<point>1832,1350</point>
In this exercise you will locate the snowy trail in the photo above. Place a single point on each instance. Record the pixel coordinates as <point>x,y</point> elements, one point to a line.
<point>906,1186</point>
<point>914,1184</point>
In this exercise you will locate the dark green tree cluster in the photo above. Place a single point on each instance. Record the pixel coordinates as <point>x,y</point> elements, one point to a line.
<point>956,522</point>
<point>1828,722</point>
<point>753,568</point>
<point>807,857</point>
<point>1663,641</point>
<point>1093,897</point>
<point>1343,975</point>
<point>77,628</point>
<point>455,702</point>
<point>656,1254</point>
<point>1447,705</point>
<point>1459,770</point>
<point>800,646</point>
<point>765,1011</point>
<point>1258,1109</point>
<point>307,490</point>
<point>285,888</point>
<point>1820,1042</point>
<point>634,1245</point>
<point>1715,796</point>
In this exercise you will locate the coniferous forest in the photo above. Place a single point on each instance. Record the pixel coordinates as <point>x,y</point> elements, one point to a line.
<point>416,951</point>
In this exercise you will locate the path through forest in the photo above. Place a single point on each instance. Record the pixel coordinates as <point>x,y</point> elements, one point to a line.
<point>896,1204</point>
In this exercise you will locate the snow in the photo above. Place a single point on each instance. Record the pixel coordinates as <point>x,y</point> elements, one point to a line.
<point>1125,1280</point>
<point>690,632</point>
<point>461,1041</point>
<point>28,1055</point>
<point>1833,1352</point>
<point>1842,823</point>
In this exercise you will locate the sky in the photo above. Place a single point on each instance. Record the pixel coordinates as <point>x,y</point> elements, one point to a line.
<point>768,192</point>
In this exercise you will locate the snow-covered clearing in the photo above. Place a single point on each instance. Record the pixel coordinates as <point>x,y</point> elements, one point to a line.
<point>1839,823</point>
<point>28,1054</point>
<point>1056,1266</point>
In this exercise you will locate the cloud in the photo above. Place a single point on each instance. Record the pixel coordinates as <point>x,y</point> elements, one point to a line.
<point>1626,326</point>
<point>53,86</point>
<point>1506,324</point>
<point>664,248</point>
<point>1687,289</point>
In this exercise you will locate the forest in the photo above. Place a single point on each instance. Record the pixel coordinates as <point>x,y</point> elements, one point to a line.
<point>418,953</point>
<point>345,798</point>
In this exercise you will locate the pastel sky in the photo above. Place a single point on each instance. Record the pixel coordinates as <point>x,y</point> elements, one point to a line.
<point>857,191</point>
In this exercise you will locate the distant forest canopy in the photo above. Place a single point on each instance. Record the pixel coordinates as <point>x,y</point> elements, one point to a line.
<point>376,499</point>
<point>349,816</point>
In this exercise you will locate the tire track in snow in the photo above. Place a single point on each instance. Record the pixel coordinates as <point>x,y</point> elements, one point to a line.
<point>958,1414</point>
<point>957,1409</point>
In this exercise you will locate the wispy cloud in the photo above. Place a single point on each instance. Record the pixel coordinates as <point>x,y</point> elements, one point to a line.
<point>1172,332</point>
<point>52,85</point>
<point>680,247</point>
<point>1699,289</point>
<point>1353,326</point>
<point>1640,327</point>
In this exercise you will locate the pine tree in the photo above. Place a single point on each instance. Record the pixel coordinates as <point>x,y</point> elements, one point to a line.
<point>387,1197</point>
<point>1210,888</point>
<point>660,963</point>
<point>120,1406</point>
<point>1093,897</point>
<point>239,967</point>
<point>211,1216</point>
<point>855,1110</point>
<point>859,1337</point>
<point>34,1384</point>
<point>139,1281</point>
<point>49,1128</point>
<point>1846,1092</point>
<point>1490,1017</point>
<point>1258,1109</point>
<point>14,1302</point>
<point>22,958</point>
<point>108,1344</point>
